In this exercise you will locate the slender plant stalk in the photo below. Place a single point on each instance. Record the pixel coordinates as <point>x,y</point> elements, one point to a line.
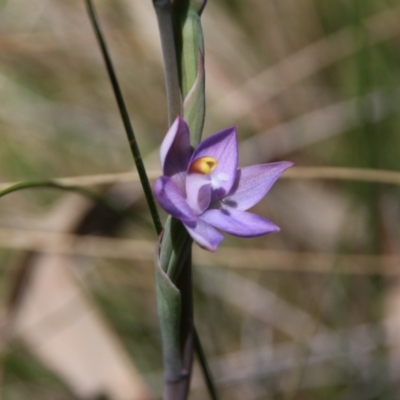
<point>125,118</point>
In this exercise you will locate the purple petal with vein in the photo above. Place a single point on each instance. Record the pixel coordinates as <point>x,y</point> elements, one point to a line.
<point>253,183</point>
<point>239,223</point>
<point>223,147</point>
<point>171,200</point>
<point>205,235</point>
<point>175,152</point>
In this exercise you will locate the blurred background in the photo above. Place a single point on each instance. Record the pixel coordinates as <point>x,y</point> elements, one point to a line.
<point>310,313</point>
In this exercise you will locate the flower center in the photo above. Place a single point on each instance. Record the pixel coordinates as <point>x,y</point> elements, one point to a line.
<point>203,165</point>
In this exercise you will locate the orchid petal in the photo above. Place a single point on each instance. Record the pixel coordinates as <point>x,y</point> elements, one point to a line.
<point>223,147</point>
<point>239,223</point>
<point>204,235</point>
<point>198,192</point>
<point>252,184</point>
<point>175,152</point>
<point>172,201</point>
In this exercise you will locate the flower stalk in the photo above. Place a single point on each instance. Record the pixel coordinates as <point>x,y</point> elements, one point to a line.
<point>173,254</point>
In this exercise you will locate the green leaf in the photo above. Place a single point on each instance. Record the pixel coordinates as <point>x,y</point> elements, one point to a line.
<point>194,106</point>
<point>170,257</point>
<point>192,72</point>
<point>169,314</point>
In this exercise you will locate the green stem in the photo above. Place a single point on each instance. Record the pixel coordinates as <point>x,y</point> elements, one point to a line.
<point>164,14</point>
<point>54,185</point>
<point>125,119</point>
<point>204,366</point>
<point>174,255</point>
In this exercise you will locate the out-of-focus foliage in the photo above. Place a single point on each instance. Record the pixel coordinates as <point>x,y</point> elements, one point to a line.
<point>310,313</point>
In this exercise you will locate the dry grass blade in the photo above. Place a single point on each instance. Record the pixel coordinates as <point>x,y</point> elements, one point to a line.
<point>350,174</point>
<point>228,257</point>
<point>308,173</point>
<point>96,180</point>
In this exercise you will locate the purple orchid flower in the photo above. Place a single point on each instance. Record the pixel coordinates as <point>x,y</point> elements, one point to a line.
<point>205,190</point>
